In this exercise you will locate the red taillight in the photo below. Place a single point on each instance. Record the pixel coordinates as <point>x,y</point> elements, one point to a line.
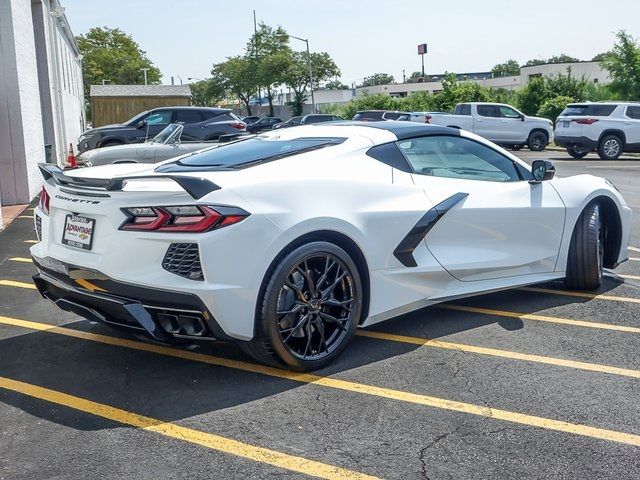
<point>427,119</point>
<point>181,218</point>
<point>44,201</point>
<point>585,121</point>
<point>238,125</point>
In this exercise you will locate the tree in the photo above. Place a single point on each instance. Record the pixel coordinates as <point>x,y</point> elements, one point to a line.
<point>335,85</point>
<point>562,58</point>
<point>552,107</point>
<point>296,76</point>
<point>623,65</point>
<point>110,54</point>
<point>568,86</point>
<point>269,51</point>
<point>207,93</point>
<point>414,77</point>
<point>454,92</point>
<point>237,75</point>
<point>535,61</point>
<point>377,79</point>
<point>601,57</point>
<point>506,69</point>
<point>533,95</point>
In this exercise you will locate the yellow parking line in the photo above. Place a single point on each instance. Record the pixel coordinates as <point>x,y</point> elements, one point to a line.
<point>208,440</point>
<point>31,241</point>
<point>344,385</point>
<point>559,362</point>
<point>592,296</point>
<point>635,259</point>
<point>541,318</point>
<point>21,259</point>
<point>635,249</point>
<point>13,283</point>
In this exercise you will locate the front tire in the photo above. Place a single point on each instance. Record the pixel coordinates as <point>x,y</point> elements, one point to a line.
<point>576,153</point>
<point>586,251</point>
<point>610,147</point>
<point>311,307</point>
<point>537,141</point>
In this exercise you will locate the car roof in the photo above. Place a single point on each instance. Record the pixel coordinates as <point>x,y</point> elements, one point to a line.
<point>187,107</point>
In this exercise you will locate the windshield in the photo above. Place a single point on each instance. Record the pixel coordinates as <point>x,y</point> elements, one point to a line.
<point>255,150</point>
<point>169,134</point>
<point>134,120</point>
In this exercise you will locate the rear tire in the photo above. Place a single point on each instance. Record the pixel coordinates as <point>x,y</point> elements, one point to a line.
<point>586,251</point>
<point>577,153</point>
<point>537,141</point>
<point>310,309</point>
<point>610,147</point>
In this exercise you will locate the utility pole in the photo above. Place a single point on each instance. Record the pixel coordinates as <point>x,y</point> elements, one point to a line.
<point>145,70</point>
<point>255,51</point>
<point>306,41</point>
<point>404,77</point>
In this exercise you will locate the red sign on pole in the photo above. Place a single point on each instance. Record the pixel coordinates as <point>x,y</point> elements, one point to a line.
<point>422,49</point>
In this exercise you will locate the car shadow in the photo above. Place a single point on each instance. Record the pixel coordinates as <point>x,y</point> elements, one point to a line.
<point>174,389</point>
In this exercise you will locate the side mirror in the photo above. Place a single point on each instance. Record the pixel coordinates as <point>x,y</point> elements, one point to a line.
<point>521,117</point>
<point>542,170</point>
<point>141,124</point>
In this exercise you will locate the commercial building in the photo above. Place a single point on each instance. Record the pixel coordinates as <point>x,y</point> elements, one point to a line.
<point>41,94</point>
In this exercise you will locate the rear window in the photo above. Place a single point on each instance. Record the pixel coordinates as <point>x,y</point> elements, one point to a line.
<point>633,112</point>
<point>464,109</point>
<point>254,150</point>
<point>368,116</point>
<point>591,110</point>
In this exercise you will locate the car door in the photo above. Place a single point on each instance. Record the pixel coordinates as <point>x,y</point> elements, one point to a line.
<point>497,224</point>
<point>632,126</point>
<point>487,122</point>
<point>512,126</point>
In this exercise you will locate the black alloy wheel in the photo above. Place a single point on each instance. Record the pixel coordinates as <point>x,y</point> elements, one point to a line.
<point>311,308</point>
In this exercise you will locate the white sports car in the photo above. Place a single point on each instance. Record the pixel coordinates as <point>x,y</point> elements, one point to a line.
<point>290,240</point>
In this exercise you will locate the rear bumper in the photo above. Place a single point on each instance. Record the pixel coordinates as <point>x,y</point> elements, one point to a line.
<point>164,315</point>
<point>577,143</point>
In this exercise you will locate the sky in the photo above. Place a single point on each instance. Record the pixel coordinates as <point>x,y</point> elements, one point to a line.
<point>184,38</point>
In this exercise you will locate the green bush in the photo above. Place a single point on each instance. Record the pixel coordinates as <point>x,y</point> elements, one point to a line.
<point>552,107</point>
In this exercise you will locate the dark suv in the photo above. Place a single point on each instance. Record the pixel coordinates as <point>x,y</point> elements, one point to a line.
<point>265,123</point>
<point>200,124</point>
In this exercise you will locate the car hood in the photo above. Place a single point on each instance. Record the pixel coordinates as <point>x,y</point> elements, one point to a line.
<point>539,119</point>
<point>93,131</point>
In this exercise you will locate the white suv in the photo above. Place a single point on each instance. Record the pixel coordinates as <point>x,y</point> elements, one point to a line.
<point>609,128</point>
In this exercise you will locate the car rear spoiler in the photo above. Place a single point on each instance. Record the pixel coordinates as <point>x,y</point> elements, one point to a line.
<point>197,187</point>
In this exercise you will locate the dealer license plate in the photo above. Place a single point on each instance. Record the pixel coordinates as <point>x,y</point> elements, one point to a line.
<point>78,231</point>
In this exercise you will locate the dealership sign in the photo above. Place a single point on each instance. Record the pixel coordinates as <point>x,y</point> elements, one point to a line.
<point>422,49</point>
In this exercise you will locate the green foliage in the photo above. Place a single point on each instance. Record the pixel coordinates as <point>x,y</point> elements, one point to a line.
<point>237,76</point>
<point>503,95</point>
<point>623,65</point>
<point>110,54</point>
<point>533,95</point>
<point>377,79</point>
<point>454,92</point>
<point>568,85</point>
<point>601,57</point>
<point>563,58</point>
<point>596,92</point>
<point>552,107</point>
<point>207,93</point>
<point>535,61</point>
<point>413,78</point>
<point>368,102</point>
<point>296,76</point>
<point>335,85</point>
<point>506,69</point>
<point>416,102</point>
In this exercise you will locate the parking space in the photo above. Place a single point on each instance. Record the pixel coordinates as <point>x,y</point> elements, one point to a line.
<point>531,383</point>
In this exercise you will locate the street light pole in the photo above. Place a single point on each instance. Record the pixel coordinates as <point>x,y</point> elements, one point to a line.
<point>306,40</point>
<point>145,74</point>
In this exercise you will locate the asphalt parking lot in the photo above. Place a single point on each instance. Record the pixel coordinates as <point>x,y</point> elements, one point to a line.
<point>530,383</point>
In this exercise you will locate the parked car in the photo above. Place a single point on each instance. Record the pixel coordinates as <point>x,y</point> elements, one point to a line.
<point>286,242</point>
<point>319,118</point>
<point>609,128</point>
<point>500,123</point>
<point>377,115</point>
<point>200,124</point>
<point>292,122</point>
<point>265,123</point>
<point>250,119</point>
<point>167,144</point>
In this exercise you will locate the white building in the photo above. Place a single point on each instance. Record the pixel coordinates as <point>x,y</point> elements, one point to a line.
<point>591,71</point>
<point>41,93</point>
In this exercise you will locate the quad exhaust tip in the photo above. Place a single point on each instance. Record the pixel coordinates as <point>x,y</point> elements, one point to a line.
<point>177,324</point>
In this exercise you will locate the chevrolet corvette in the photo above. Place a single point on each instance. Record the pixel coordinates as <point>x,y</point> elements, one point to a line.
<point>288,241</point>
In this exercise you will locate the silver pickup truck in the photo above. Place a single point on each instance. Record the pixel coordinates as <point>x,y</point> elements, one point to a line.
<point>500,123</point>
